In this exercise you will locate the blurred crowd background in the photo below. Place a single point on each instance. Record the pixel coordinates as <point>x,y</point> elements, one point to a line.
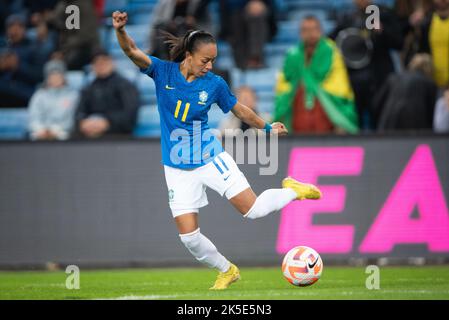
<point>312,64</point>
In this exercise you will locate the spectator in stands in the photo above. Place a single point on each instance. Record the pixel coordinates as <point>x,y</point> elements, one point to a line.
<point>407,100</point>
<point>20,65</point>
<point>441,118</point>
<point>313,93</point>
<point>109,104</point>
<point>99,6</point>
<point>76,46</point>
<point>52,108</point>
<point>41,7</point>
<point>7,8</point>
<point>248,25</point>
<point>412,15</point>
<point>176,17</point>
<point>367,55</point>
<point>435,40</point>
<point>46,38</point>
<point>247,96</point>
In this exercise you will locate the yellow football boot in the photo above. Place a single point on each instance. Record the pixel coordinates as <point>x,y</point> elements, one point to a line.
<point>224,279</point>
<point>303,190</point>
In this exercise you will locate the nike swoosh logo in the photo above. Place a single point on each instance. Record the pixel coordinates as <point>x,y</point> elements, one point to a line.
<point>226,178</point>
<point>311,265</point>
<point>169,88</point>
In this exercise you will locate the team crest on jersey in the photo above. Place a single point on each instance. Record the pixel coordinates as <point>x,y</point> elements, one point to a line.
<point>203,97</point>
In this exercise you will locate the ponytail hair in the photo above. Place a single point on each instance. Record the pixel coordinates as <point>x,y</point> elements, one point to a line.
<point>179,46</point>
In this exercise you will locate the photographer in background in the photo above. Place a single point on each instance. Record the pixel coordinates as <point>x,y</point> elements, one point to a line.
<point>367,55</point>
<point>76,46</point>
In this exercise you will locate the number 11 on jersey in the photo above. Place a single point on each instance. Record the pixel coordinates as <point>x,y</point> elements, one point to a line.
<point>186,110</point>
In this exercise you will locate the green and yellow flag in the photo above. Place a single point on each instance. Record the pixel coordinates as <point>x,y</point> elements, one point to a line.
<point>324,78</point>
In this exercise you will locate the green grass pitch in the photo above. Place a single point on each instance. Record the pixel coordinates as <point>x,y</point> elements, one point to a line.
<point>417,282</point>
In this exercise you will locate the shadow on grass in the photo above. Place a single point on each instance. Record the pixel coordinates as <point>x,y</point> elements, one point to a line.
<point>75,298</point>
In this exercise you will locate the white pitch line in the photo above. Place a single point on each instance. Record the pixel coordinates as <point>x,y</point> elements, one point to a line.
<point>151,297</point>
<point>271,294</point>
<point>176,296</point>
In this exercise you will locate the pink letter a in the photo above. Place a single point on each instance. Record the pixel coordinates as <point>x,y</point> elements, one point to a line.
<point>418,186</point>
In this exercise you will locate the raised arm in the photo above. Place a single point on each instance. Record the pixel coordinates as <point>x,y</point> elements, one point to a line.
<point>252,119</point>
<point>140,59</point>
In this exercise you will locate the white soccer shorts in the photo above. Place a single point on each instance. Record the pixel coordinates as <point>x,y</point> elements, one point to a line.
<point>187,188</point>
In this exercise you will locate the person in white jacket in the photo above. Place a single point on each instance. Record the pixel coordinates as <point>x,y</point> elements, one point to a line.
<point>441,116</point>
<point>52,107</point>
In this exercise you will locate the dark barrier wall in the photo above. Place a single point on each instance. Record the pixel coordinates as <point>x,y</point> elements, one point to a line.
<point>104,203</point>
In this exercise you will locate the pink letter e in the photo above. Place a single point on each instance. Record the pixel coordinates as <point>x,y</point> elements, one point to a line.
<point>306,165</point>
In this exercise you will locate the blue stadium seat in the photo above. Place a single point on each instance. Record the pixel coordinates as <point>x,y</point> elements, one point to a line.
<point>147,89</point>
<point>113,5</point>
<point>148,124</point>
<point>215,116</point>
<point>276,48</point>
<point>263,79</point>
<point>13,123</point>
<point>281,6</point>
<point>127,68</point>
<point>139,6</point>
<point>225,62</point>
<point>265,106</point>
<point>225,59</point>
<point>341,5</point>
<point>130,74</point>
<point>288,32</point>
<point>147,98</point>
<point>302,4</point>
<point>223,47</point>
<point>263,82</point>
<point>31,34</point>
<point>388,3</point>
<point>76,79</point>
<point>140,34</point>
<point>104,31</point>
<point>140,18</point>
<point>266,95</point>
<point>275,61</point>
<point>298,15</point>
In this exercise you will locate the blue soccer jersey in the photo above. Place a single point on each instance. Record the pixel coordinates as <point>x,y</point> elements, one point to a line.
<point>186,139</point>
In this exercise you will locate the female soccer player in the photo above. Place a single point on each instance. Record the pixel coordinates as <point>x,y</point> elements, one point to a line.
<point>185,89</point>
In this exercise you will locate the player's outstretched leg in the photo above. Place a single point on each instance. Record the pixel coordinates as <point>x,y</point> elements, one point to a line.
<point>272,200</point>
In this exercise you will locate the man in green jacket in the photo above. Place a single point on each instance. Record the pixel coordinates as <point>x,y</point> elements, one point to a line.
<point>313,93</point>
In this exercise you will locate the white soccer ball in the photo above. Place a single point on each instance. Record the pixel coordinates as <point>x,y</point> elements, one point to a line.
<point>302,266</point>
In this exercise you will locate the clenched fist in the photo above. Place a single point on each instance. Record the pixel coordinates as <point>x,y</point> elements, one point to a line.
<point>119,19</point>
<point>279,128</point>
